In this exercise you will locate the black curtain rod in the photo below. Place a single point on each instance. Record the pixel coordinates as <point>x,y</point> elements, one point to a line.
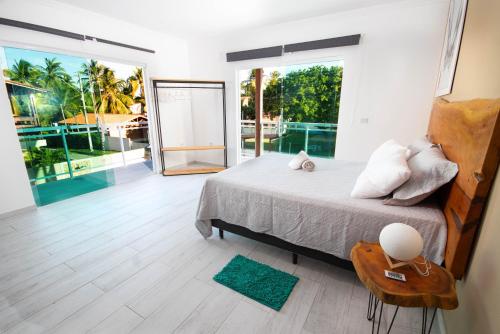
<point>280,50</point>
<point>323,43</point>
<point>67,34</point>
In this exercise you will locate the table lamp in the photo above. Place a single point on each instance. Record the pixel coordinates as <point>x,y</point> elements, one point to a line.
<point>402,244</point>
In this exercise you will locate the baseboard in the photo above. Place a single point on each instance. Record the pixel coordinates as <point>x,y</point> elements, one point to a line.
<point>17,212</point>
<point>440,321</point>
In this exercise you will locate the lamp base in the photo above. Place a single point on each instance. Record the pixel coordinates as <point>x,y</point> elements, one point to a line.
<point>399,264</point>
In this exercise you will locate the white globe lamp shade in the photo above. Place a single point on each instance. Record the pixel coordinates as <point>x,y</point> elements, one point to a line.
<point>401,242</point>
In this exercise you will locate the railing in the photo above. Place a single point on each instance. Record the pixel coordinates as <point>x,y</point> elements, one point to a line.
<point>275,130</point>
<point>40,133</point>
<point>268,127</point>
<point>32,134</point>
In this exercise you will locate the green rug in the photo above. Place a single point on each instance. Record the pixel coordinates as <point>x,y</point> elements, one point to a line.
<point>258,281</point>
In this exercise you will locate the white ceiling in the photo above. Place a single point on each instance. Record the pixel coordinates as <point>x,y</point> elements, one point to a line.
<point>213,17</point>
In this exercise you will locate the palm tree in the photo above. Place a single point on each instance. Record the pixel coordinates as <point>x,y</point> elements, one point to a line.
<point>139,78</point>
<point>91,72</point>
<point>113,99</point>
<point>52,73</point>
<point>62,97</point>
<point>89,75</point>
<point>24,72</point>
<point>67,98</point>
<point>135,88</point>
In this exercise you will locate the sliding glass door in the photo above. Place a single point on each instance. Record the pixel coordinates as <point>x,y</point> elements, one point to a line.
<point>298,109</point>
<point>77,119</point>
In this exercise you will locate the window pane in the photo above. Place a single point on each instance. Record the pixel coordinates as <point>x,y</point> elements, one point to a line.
<point>300,109</point>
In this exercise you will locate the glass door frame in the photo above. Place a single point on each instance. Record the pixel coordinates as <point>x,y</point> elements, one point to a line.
<point>147,79</point>
<point>75,53</point>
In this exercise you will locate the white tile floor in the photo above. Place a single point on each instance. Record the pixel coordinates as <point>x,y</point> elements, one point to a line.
<point>128,259</point>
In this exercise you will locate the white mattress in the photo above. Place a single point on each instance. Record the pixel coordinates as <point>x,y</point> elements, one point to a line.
<point>311,209</point>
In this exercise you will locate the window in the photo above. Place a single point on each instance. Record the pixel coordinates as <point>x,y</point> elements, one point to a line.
<point>300,109</point>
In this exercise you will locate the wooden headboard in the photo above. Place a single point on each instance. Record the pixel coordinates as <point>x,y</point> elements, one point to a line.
<point>469,133</point>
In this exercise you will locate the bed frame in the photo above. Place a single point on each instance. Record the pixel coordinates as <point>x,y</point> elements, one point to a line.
<point>273,241</point>
<point>469,134</point>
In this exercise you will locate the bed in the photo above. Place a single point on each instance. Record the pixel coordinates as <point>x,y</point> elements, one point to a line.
<point>313,210</point>
<point>313,214</point>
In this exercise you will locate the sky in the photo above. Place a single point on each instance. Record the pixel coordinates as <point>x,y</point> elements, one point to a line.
<point>71,64</point>
<point>122,71</point>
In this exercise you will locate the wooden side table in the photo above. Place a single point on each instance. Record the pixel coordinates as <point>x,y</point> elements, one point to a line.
<point>434,291</point>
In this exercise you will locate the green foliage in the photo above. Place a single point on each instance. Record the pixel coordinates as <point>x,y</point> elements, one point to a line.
<point>52,74</point>
<point>24,72</point>
<point>273,96</point>
<point>16,106</point>
<point>81,140</point>
<point>90,78</point>
<point>43,157</point>
<point>313,94</point>
<point>135,88</point>
<point>62,93</point>
<point>248,97</point>
<point>76,141</point>
<point>101,90</point>
<point>113,98</point>
<point>307,95</point>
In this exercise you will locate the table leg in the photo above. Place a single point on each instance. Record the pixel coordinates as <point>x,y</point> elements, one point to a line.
<point>375,304</point>
<point>424,320</point>
<point>369,315</point>
<point>372,307</point>
<point>379,317</point>
<point>372,311</point>
<point>392,321</point>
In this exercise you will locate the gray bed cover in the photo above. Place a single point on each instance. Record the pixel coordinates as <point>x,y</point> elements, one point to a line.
<point>310,209</point>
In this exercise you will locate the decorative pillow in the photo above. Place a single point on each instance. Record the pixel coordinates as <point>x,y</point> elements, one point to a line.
<point>386,170</point>
<point>429,170</point>
<point>419,145</point>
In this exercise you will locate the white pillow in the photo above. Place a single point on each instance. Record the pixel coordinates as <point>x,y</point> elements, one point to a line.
<point>386,170</point>
<point>419,145</point>
<point>430,170</point>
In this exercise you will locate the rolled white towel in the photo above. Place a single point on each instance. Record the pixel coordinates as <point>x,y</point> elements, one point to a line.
<point>308,165</point>
<point>296,162</point>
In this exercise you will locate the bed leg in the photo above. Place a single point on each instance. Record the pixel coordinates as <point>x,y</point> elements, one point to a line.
<point>221,233</point>
<point>294,258</point>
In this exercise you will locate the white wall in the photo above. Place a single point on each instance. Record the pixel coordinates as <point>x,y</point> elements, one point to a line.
<point>207,114</point>
<point>478,76</point>
<point>389,79</point>
<point>176,123</point>
<point>191,117</point>
<point>478,67</point>
<point>170,60</point>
